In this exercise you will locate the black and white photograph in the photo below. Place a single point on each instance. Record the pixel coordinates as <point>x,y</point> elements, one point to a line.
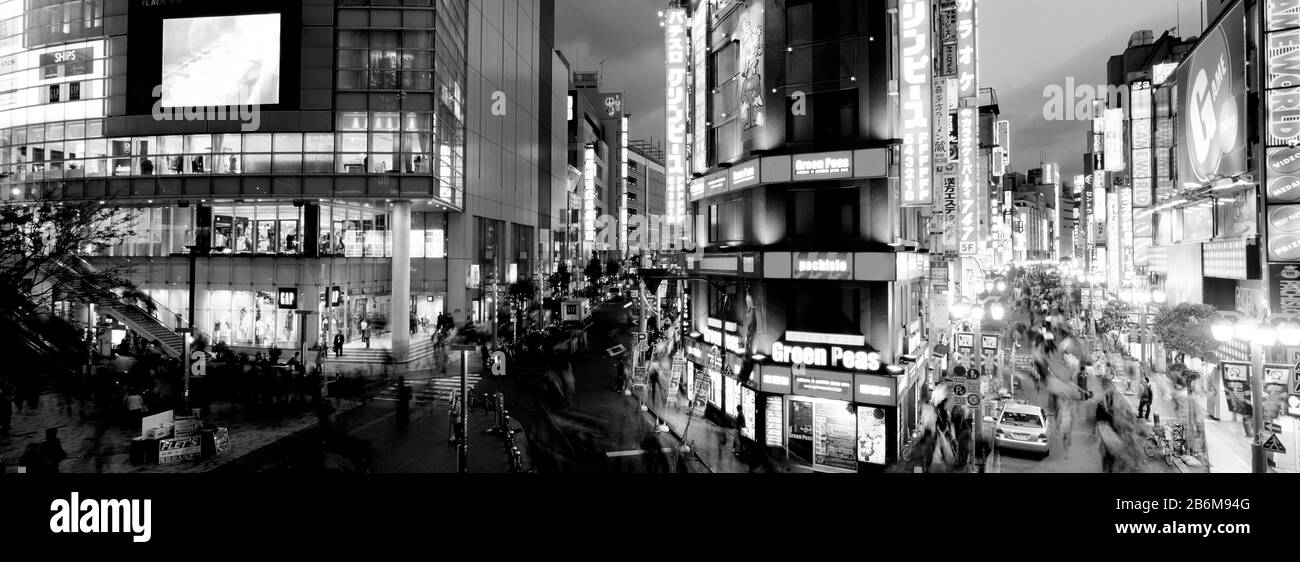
<point>978,257</point>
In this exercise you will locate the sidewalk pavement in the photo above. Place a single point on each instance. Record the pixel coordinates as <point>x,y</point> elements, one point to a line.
<point>1227,449</point>
<point>95,444</point>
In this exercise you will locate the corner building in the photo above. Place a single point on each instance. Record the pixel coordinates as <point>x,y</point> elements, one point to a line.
<point>809,301</point>
<point>364,178</point>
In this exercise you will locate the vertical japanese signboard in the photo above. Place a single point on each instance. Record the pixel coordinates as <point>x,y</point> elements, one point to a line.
<point>941,122</point>
<point>967,78</point>
<point>967,189</point>
<point>1282,136</point>
<point>699,56</point>
<point>1114,140</point>
<point>1126,229</point>
<point>915,92</point>
<point>948,184</point>
<point>676,106</point>
<point>1140,137</point>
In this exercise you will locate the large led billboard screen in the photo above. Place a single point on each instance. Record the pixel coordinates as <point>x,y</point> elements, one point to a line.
<point>221,60</point>
<point>216,54</point>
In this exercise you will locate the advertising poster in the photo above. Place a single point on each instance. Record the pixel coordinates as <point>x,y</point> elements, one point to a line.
<point>801,420</point>
<point>1212,103</point>
<point>748,408</point>
<point>1277,378</point>
<point>703,389</point>
<point>834,435</point>
<point>731,389</point>
<point>750,34</point>
<point>871,435</point>
<point>222,440</point>
<point>171,451</point>
<point>1236,386</point>
<point>773,415</point>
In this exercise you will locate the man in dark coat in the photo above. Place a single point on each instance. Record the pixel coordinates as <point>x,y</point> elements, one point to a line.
<point>52,452</point>
<point>338,344</point>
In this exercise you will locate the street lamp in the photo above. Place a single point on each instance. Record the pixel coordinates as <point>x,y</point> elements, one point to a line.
<point>961,309</point>
<point>1259,335</point>
<point>1002,286</point>
<point>1158,296</point>
<point>998,312</point>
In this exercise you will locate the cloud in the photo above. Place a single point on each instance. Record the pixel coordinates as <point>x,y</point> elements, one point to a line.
<point>626,35</point>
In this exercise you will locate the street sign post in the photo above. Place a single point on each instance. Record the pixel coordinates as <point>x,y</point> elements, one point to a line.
<point>1274,445</point>
<point>965,342</point>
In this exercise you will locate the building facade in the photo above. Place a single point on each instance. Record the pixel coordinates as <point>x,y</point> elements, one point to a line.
<point>308,151</point>
<point>809,298</point>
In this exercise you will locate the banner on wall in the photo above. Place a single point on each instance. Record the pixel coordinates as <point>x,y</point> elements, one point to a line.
<point>1211,90</point>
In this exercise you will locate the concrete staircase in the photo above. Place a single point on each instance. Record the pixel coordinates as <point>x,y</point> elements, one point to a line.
<point>78,284</point>
<point>144,324</point>
<point>420,349</point>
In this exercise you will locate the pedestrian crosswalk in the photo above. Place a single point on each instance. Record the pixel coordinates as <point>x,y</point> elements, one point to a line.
<point>437,390</point>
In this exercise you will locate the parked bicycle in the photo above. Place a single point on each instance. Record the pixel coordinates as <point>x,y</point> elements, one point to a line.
<point>1167,441</point>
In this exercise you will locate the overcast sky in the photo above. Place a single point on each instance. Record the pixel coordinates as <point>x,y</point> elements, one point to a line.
<point>1025,46</point>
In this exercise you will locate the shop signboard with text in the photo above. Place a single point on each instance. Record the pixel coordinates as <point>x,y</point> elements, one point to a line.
<point>915,95</point>
<point>823,166</point>
<point>822,384</point>
<point>1284,288</point>
<point>823,265</point>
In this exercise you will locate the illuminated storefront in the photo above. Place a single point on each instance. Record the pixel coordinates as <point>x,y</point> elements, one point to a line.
<point>299,155</point>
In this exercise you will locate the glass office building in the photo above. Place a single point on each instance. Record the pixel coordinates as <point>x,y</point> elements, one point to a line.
<point>314,145</point>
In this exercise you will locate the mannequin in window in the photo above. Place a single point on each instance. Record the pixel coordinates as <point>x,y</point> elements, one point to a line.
<point>291,244</point>
<point>234,162</point>
<point>198,165</point>
<point>146,167</point>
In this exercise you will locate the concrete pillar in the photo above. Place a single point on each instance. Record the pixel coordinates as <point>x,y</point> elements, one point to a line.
<point>399,319</point>
<point>202,293</point>
<point>461,248</point>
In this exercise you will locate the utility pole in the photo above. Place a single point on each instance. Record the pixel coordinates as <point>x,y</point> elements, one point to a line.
<point>188,332</point>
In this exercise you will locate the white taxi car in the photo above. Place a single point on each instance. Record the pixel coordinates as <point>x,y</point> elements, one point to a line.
<point>1022,427</point>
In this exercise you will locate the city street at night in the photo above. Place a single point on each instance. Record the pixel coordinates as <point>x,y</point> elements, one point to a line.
<point>918,240</point>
